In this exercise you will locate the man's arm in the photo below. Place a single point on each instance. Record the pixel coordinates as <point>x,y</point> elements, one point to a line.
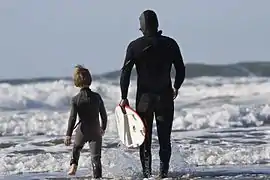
<point>103,114</point>
<point>72,117</point>
<point>180,70</point>
<point>126,71</point>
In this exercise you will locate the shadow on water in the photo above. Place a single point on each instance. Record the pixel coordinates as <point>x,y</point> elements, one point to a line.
<point>214,173</point>
<point>252,172</point>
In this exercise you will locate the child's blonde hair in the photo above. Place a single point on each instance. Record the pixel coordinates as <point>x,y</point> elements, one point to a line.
<point>82,77</point>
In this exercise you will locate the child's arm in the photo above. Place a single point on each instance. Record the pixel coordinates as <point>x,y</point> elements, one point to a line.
<point>72,117</point>
<point>103,114</point>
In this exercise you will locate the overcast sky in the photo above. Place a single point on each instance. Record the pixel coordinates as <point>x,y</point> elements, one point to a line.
<point>49,37</point>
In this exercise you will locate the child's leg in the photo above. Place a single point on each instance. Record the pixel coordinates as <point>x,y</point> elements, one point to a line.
<point>77,147</point>
<point>95,148</point>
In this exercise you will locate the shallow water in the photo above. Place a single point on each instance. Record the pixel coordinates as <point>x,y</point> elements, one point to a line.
<point>221,131</point>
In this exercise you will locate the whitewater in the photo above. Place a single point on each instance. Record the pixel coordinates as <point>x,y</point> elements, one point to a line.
<point>220,131</point>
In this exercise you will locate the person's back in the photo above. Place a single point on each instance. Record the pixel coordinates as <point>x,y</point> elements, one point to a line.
<point>153,54</point>
<point>89,106</point>
<point>154,57</point>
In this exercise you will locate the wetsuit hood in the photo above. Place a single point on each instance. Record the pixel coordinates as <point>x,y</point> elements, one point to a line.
<point>149,22</point>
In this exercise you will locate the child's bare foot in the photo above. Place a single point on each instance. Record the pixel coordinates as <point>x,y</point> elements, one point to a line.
<point>72,170</point>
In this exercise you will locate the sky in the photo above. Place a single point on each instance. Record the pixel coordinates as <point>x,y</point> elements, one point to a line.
<point>49,37</point>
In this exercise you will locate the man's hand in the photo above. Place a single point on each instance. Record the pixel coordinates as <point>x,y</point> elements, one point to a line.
<point>102,132</point>
<point>67,140</point>
<point>175,93</point>
<point>124,102</point>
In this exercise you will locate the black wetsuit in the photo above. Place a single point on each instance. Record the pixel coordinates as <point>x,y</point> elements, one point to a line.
<point>88,105</point>
<point>153,55</point>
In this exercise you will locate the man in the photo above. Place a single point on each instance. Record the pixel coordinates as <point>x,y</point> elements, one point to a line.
<point>153,54</point>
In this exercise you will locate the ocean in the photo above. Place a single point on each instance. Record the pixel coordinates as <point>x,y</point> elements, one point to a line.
<point>220,131</point>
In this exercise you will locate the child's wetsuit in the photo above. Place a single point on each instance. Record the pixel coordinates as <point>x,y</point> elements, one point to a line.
<point>88,104</point>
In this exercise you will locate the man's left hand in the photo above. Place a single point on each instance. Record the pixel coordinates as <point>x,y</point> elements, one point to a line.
<point>67,140</point>
<point>175,93</point>
<point>102,132</point>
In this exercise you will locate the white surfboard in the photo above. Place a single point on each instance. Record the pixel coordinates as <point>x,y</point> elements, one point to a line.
<point>130,127</point>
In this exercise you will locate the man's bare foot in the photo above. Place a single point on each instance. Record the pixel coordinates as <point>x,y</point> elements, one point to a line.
<point>72,170</point>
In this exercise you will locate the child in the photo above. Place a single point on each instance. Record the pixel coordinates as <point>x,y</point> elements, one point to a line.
<point>87,104</point>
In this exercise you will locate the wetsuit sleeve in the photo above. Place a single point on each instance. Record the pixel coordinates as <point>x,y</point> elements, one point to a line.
<point>72,117</point>
<point>103,114</point>
<point>179,66</point>
<point>126,71</point>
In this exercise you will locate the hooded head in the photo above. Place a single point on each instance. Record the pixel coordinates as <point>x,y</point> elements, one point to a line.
<point>149,22</point>
<point>82,77</point>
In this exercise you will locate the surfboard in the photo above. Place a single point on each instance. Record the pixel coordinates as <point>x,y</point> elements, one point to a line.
<point>130,127</point>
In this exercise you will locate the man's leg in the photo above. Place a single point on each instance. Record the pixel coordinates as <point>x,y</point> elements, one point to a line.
<point>164,120</point>
<point>95,148</point>
<point>145,110</point>
<point>145,148</point>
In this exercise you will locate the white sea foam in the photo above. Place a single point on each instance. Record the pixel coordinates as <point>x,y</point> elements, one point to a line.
<point>208,112</point>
